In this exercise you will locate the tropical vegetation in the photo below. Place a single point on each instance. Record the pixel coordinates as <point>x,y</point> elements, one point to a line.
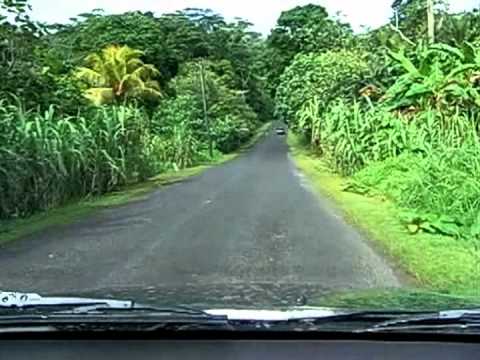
<point>395,112</point>
<point>110,100</point>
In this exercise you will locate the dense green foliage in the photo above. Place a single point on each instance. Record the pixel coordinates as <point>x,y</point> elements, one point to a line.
<point>304,29</point>
<point>118,75</point>
<point>400,122</point>
<point>327,76</point>
<point>112,99</point>
<point>46,160</point>
<point>439,76</point>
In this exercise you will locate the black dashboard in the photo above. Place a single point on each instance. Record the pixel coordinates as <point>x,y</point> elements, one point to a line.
<point>233,349</point>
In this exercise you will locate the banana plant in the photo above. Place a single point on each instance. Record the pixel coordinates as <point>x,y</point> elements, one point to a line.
<point>310,121</point>
<point>439,75</point>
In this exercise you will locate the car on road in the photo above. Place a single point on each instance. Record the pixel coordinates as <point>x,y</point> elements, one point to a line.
<point>280,131</point>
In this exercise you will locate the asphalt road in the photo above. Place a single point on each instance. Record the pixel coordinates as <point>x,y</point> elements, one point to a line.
<point>250,231</point>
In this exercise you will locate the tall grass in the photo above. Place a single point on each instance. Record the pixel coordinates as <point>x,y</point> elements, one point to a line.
<point>354,137</point>
<point>46,160</point>
<point>427,163</point>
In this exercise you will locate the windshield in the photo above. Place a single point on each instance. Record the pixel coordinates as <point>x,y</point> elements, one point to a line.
<point>248,156</point>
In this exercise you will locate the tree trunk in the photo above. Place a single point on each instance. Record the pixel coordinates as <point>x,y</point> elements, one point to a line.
<point>205,110</point>
<point>431,22</point>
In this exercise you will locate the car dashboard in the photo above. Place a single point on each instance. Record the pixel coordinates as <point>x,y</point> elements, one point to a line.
<point>121,349</point>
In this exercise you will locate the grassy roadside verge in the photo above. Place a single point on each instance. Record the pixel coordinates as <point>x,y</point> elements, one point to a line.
<point>15,229</point>
<point>438,263</point>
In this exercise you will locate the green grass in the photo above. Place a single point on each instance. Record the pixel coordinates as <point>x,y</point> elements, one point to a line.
<point>400,299</point>
<point>435,262</point>
<point>11,230</point>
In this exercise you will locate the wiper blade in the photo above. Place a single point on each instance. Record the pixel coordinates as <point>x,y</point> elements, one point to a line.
<point>32,300</point>
<point>453,319</point>
<point>139,309</point>
<point>304,319</point>
<point>34,306</point>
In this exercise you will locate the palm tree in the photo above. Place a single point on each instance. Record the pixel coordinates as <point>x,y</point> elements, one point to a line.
<point>117,74</point>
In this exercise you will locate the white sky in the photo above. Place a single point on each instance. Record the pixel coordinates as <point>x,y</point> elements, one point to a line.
<point>262,13</point>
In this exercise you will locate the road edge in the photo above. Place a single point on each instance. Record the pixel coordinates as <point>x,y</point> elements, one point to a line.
<point>419,256</point>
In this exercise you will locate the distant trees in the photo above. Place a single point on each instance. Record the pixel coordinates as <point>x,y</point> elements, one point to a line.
<point>304,29</point>
<point>108,100</point>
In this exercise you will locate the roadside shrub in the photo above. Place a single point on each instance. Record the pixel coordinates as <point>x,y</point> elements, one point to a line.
<point>231,121</point>
<point>438,185</point>
<point>438,76</point>
<point>230,132</point>
<point>328,76</point>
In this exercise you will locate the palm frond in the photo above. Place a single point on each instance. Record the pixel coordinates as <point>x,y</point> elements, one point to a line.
<point>146,71</point>
<point>118,72</point>
<point>100,96</point>
<point>90,76</point>
<point>153,93</point>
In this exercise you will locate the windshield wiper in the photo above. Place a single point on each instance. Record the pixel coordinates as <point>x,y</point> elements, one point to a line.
<point>28,303</point>
<point>9,300</point>
<point>33,309</point>
<point>390,321</point>
<point>360,321</point>
<point>443,320</point>
<point>32,312</point>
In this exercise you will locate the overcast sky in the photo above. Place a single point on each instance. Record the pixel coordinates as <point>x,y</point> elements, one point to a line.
<point>262,13</point>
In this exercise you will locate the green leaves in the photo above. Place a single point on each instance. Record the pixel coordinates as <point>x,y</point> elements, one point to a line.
<point>404,62</point>
<point>118,75</point>
<point>417,90</point>
<point>304,29</point>
<point>327,76</point>
<point>353,137</point>
<point>228,111</point>
<point>431,223</point>
<point>442,78</point>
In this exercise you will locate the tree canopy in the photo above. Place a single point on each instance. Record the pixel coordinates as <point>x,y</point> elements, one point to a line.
<point>304,29</point>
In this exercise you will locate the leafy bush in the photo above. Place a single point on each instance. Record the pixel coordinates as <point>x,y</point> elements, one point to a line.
<point>180,149</point>
<point>441,191</point>
<point>230,132</point>
<point>435,178</point>
<point>231,120</point>
<point>328,76</point>
<point>438,76</point>
<point>181,132</point>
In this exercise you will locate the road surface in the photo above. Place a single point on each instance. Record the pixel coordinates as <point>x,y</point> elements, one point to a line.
<point>248,232</point>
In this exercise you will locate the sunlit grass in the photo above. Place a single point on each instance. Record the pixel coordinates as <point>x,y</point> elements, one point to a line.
<point>398,299</point>
<point>435,262</point>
